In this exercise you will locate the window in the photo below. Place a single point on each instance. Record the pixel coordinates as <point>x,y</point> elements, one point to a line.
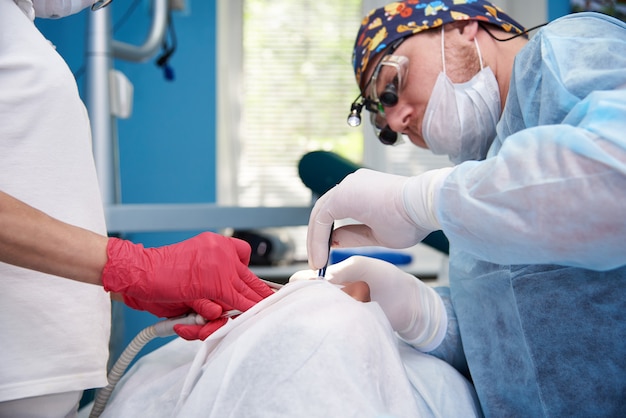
<point>286,83</point>
<point>295,87</point>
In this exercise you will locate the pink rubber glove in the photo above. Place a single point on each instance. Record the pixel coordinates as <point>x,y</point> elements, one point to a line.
<point>209,310</point>
<point>201,332</point>
<point>207,266</point>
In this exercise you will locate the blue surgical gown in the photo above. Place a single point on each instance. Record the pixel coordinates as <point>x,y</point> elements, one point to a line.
<point>537,231</point>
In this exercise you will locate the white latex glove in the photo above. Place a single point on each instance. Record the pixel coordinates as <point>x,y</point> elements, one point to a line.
<point>27,7</point>
<point>59,8</point>
<point>394,211</point>
<point>415,311</point>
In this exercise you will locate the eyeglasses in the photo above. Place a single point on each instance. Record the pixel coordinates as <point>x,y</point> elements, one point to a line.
<point>383,132</point>
<point>388,79</point>
<point>386,84</point>
<point>382,90</point>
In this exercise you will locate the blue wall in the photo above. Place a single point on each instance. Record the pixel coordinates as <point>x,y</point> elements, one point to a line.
<point>557,8</point>
<point>167,147</point>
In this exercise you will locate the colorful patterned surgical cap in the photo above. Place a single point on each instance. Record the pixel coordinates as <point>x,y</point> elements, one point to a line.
<point>405,18</point>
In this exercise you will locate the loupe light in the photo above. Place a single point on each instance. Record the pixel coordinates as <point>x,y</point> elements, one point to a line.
<point>354,118</point>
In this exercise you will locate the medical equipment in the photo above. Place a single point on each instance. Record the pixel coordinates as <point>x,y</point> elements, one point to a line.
<point>231,314</point>
<point>322,272</point>
<point>163,328</point>
<point>100,4</point>
<point>269,246</point>
<point>390,74</point>
<point>383,132</point>
<point>460,118</point>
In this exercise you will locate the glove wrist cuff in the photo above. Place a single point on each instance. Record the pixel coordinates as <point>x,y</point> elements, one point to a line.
<point>428,331</point>
<point>120,271</point>
<point>421,195</point>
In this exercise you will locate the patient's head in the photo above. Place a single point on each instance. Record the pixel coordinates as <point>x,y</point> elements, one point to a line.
<point>359,290</point>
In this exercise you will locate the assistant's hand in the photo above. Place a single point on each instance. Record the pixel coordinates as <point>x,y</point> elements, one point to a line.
<point>414,309</point>
<point>207,266</point>
<point>209,310</point>
<point>394,211</point>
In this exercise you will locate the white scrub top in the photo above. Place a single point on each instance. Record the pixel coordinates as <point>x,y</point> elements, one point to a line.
<point>54,331</point>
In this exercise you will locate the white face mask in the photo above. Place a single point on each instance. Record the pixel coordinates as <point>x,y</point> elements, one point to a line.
<point>59,8</point>
<point>460,119</point>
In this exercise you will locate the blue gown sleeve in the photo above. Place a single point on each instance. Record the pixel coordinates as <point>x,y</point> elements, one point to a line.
<point>553,186</point>
<point>451,349</point>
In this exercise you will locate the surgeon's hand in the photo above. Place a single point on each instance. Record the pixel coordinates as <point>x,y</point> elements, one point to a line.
<point>415,311</point>
<point>207,309</point>
<point>394,211</point>
<point>207,266</point>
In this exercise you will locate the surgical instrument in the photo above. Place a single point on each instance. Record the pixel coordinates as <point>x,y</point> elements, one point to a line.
<point>231,314</point>
<point>235,312</point>
<point>322,272</point>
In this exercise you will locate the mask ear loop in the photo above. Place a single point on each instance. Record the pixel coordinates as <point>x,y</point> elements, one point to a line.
<point>480,56</point>
<point>443,56</point>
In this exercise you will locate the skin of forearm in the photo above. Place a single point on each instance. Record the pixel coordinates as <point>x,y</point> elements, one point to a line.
<point>31,239</point>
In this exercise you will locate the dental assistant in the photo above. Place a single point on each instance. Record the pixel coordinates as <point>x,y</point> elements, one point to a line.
<point>56,262</point>
<point>533,208</point>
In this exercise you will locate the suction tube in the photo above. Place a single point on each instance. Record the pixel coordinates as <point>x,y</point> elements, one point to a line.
<point>163,328</point>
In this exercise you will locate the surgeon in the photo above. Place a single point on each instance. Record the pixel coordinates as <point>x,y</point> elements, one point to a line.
<point>54,331</point>
<point>533,207</point>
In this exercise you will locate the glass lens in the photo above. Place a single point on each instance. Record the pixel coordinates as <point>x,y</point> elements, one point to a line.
<point>389,77</point>
<point>383,131</point>
<point>378,121</point>
<point>384,90</point>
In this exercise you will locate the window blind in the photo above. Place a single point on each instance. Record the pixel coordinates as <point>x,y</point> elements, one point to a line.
<point>290,93</point>
<point>298,84</point>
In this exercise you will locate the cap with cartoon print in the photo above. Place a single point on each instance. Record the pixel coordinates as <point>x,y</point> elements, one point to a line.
<point>382,26</point>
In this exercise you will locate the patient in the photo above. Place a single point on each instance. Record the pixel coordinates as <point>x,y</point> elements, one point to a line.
<point>358,290</point>
<point>309,350</point>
